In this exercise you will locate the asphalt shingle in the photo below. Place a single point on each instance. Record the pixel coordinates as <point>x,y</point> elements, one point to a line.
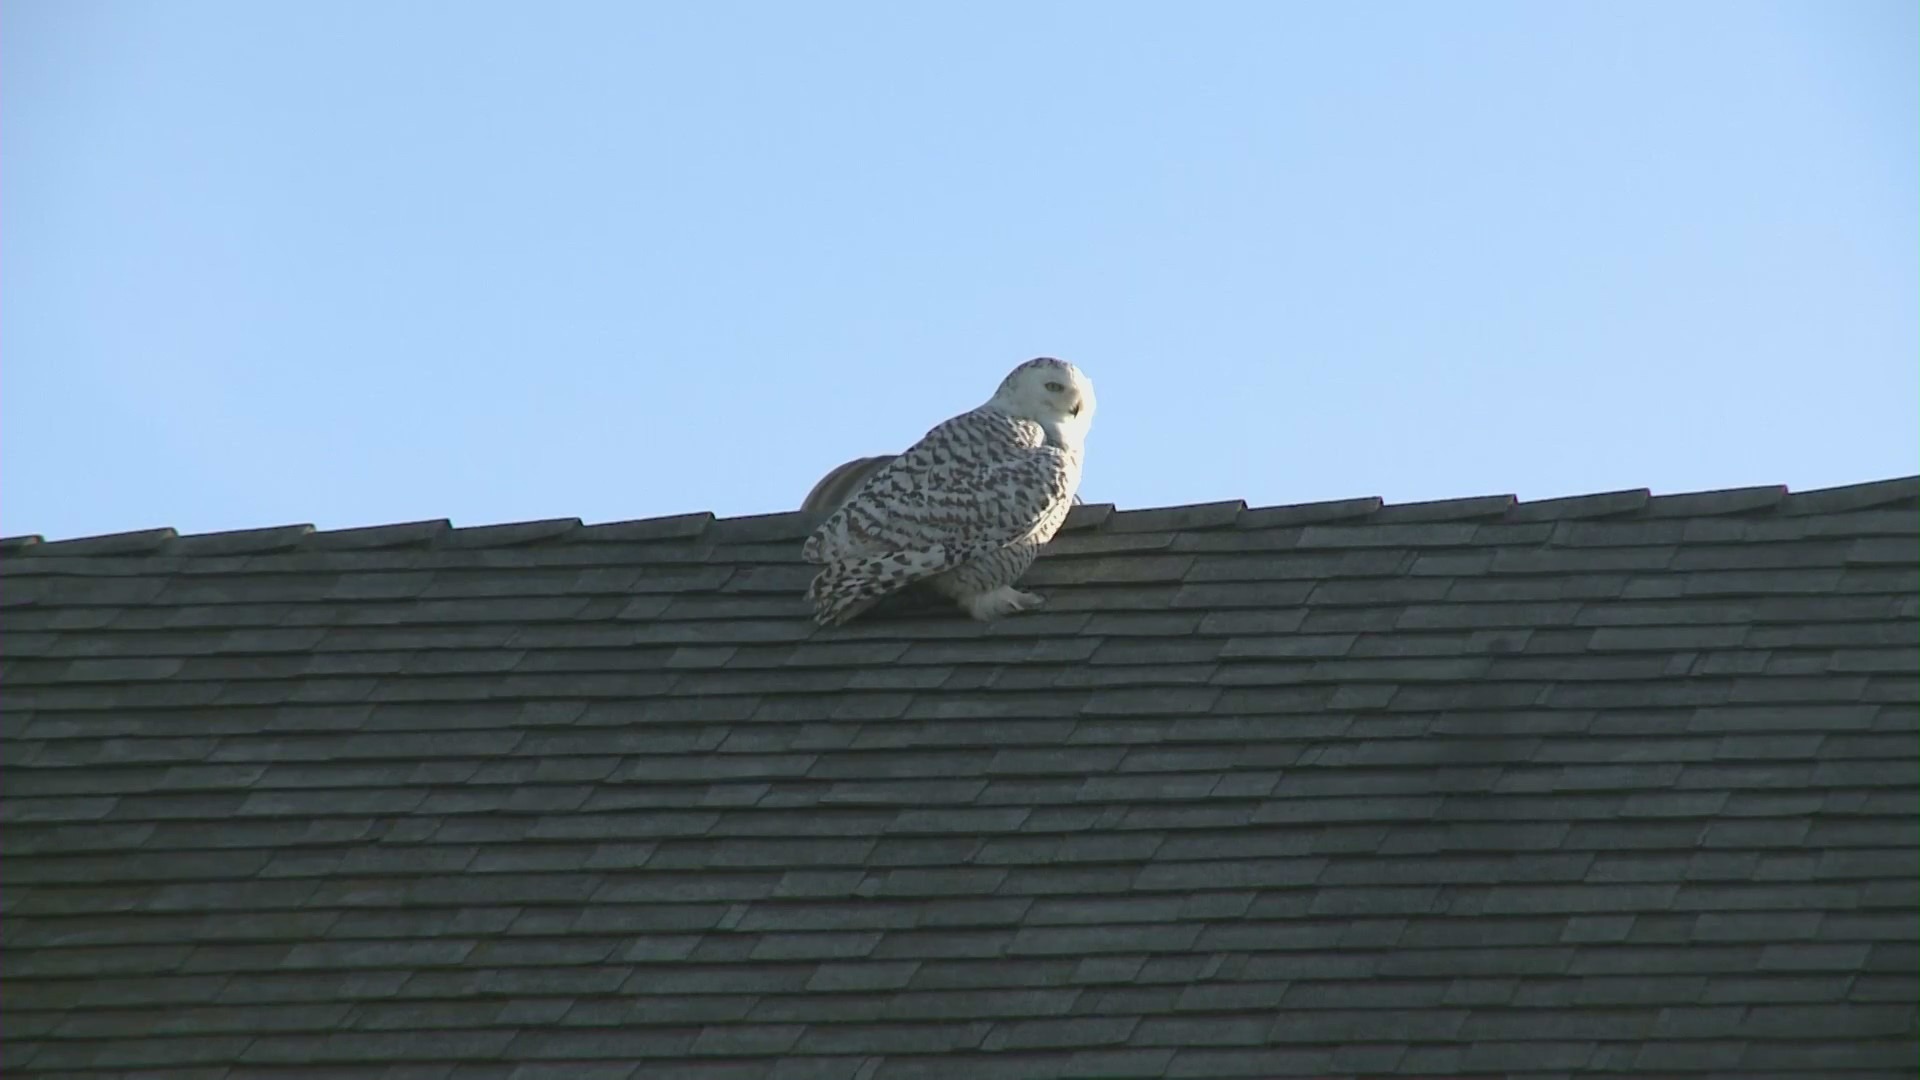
<point>1618,784</point>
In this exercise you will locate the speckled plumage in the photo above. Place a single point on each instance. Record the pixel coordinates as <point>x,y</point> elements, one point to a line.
<point>967,507</point>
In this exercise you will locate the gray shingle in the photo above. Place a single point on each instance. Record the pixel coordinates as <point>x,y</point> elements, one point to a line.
<point>241,541</point>
<point>140,542</point>
<point>1824,1057</point>
<point>760,528</point>
<point>1485,506</point>
<point>1851,497</point>
<point>1178,518</point>
<point>1267,517</point>
<point>378,536</point>
<point>677,527</point>
<point>924,1038</point>
<point>523,532</point>
<point>1606,504</point>
<point>1710,503</point>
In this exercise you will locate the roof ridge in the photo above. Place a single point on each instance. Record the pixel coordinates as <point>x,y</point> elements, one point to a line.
<point>795,524</point>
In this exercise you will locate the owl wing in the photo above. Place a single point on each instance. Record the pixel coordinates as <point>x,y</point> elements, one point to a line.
<point>980,481</point>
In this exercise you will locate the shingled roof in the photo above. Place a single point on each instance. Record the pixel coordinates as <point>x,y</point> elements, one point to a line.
<point>1600,786</point>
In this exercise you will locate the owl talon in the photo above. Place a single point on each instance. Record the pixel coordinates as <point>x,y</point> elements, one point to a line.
<point>1002,601</point>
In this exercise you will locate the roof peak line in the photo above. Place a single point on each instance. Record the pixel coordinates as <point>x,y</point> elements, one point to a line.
<point>1634,503</point>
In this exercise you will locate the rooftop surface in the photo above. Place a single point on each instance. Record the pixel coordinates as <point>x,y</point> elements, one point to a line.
<point>1606,786</point>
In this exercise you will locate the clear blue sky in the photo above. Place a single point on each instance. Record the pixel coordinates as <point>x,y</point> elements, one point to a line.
<point>356,263</point>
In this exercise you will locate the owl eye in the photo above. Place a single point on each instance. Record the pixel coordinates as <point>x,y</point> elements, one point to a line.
<point>1056,387</point>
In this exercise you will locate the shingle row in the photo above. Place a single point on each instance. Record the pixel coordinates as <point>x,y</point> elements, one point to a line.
<point>1776,501</point>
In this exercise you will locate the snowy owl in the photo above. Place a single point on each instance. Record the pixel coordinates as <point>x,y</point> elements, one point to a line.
<point>967,507</point>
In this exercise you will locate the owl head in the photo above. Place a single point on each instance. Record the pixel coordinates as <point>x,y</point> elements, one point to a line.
<point>1052,393</point>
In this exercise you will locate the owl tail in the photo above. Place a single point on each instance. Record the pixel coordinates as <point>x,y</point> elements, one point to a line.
<point>847,587</point>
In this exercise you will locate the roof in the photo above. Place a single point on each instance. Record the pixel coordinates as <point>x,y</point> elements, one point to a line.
<point>1608,785</point>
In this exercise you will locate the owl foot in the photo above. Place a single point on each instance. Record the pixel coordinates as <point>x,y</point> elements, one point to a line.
<point>1002,601</point>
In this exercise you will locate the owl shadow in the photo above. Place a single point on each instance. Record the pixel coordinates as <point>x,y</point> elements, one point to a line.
<point>916,601</point>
